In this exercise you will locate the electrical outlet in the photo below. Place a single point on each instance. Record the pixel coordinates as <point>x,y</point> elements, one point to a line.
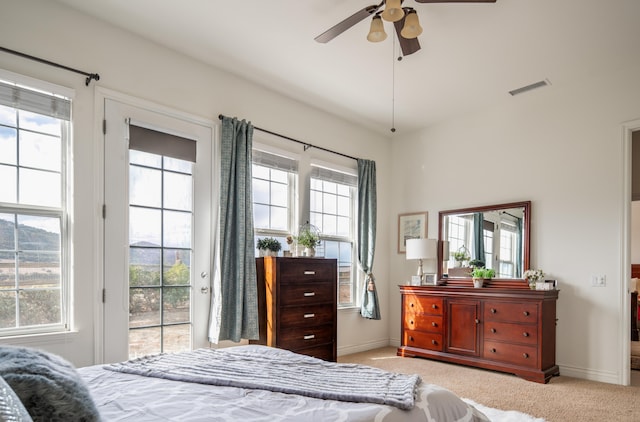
<point>598,280</point>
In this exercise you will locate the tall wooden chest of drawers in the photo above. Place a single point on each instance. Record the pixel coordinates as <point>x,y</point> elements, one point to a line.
<point>510,330</point>
<point>298,305</point>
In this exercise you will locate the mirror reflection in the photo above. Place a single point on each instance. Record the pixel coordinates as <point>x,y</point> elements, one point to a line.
<point>494,237</point>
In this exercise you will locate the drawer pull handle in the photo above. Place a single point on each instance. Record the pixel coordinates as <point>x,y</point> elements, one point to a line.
<point>309,294</point>
<point>525,334</point>
<point>493,350</point>
<point>526,313</point>
<point>309,315</point>
<point>434,306</point>
<point>410,338</point>
<point>433,324</point>
<point>477,321</point>
<point>310,337</point>
<point>411,322</point>
<point>411,304</point>
<point>493,330</point>
<point>309,273</point>
<point>525,355</point>
<point>434,342</point>
<point>493,311</point>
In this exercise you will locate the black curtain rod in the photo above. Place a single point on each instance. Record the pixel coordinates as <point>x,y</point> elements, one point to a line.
<point>306,144</point>
<point>70,69</point>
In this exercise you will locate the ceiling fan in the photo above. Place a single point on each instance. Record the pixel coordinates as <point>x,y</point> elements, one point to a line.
<point>405,20</point>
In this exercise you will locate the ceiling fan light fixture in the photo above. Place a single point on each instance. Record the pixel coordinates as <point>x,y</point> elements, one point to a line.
<point>393,11</point>
<point>376,32</point>
<point>411,28</point>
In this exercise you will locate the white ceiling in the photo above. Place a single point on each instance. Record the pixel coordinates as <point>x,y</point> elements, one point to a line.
<point>471,56</point>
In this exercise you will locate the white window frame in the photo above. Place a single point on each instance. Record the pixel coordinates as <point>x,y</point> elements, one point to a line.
<point>292,205</point>
<point>351,237</point>
<point>63,212</point>
<point>300,208</point>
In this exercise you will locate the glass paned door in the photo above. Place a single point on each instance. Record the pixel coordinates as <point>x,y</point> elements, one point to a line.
<point>157,239</point>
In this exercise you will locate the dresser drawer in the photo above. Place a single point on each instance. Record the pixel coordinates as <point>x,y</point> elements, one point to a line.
<point>516,333</point>
<point>298,269</point>
<point>299,338</point>
<point>324,352</point>
<point>422,340</point>
<point>516,354</point>
<point>511,312</point>
<point>420,322</point>
<point>422,304</point>
<point>306,316</point>
<point>307,293</point>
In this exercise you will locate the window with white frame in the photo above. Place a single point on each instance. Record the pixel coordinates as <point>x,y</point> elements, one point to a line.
<point>332,211</point>
<point>274,179</point>
<point>34,270</point>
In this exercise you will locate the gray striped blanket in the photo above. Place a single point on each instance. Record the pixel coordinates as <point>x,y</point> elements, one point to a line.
<point>263,368</point>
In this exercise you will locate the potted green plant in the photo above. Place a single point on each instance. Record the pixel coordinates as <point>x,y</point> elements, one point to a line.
<point>460,256</point>
<point>309,240</point>
<point>480,274</point>
<point>269,246</point>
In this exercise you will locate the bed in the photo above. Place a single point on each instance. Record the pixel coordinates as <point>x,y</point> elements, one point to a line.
<point>259,383</point>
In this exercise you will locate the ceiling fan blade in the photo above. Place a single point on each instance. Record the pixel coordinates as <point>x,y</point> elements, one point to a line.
<point>338,29</point>
<point>455,1</point>
<point>408,46</point>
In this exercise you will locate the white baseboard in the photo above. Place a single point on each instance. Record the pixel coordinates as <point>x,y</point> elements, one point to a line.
<point>356,348</point>
<point>589,374</point>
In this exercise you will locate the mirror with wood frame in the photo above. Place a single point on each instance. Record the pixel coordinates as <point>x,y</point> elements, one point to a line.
<point>492,236</point>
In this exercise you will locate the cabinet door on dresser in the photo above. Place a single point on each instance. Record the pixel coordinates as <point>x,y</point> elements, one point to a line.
<point>462,326</point>
<point>300,296</point>
<point>422,323</point>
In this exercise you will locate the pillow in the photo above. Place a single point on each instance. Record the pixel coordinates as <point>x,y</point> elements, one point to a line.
<point>633,285</point>
<point>11,409</point>
<point>48,386</point>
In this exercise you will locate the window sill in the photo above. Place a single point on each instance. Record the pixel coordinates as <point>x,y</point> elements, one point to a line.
<point>39,339</point>
<point>349,310</point>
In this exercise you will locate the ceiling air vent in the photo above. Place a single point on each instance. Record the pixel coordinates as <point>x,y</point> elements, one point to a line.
<point>530,87</point>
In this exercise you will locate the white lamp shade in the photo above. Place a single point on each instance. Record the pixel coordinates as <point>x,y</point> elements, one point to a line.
<point>422,248</point>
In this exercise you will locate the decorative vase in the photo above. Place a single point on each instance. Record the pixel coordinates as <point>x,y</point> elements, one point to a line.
<point>532,285</point>
<point>309,252</point>
<point>478,282</point>
<point>458,264</point>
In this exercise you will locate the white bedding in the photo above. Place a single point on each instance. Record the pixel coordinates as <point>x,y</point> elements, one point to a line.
<point>129,397</point>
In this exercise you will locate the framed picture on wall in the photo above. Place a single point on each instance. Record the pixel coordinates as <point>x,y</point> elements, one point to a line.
<point>411,226</point>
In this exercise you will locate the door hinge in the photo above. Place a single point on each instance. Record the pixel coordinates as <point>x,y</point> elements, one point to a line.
<point>104,211</point>
<point>104,295</point>
<point>104,126</point>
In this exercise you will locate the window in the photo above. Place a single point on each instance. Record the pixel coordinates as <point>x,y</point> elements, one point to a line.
<point>274,186</point>
<point>332,211</point>
<point>34,271</point>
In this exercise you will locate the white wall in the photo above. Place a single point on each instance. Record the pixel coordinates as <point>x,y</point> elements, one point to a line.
<point>133,66</point>
<point>561,148</point>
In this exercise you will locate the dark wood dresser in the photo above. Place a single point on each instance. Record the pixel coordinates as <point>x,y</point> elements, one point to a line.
<point>297,300</point>
<point>509,330</point>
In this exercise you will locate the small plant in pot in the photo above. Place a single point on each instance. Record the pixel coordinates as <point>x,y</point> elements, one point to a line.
<point>460,256</point>
<point>480,274</point>
<point>269,246</point>
<point>309,240</point>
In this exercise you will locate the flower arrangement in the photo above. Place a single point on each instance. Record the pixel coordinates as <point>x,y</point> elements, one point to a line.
<point>532,276</point>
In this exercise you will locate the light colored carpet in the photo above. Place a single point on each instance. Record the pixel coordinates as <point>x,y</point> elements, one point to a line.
<point>562,399</point>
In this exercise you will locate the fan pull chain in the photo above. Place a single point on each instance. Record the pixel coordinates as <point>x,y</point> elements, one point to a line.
<point>393,88</point>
